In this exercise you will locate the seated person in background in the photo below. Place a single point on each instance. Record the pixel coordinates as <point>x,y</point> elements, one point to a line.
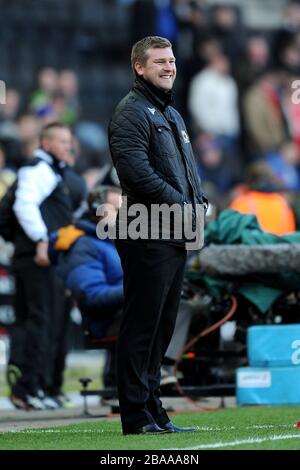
<point>212,163</point>
<point>284,163</point>
<point>90,267</point>
<point>262,198</point>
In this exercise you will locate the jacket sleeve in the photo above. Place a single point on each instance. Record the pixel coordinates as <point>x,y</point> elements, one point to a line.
<point>89,285</point>
<point>129,135</point>
<point>35,184</point>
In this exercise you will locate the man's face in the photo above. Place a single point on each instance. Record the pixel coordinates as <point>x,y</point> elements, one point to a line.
<point>160,68</point>
<point>59,143</point>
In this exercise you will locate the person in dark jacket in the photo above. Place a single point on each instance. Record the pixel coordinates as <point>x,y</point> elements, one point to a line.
<point>153,157</point>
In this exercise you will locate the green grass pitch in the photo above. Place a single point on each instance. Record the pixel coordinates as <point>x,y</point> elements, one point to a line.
<point>244,428</point>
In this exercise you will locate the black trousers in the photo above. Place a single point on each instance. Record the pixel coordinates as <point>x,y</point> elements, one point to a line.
<point>38,337</point>
<point>56,335</point>
<point>153,275</point>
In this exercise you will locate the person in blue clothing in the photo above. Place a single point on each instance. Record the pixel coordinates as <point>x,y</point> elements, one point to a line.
<point>91,268</point>
<point>284,163</point>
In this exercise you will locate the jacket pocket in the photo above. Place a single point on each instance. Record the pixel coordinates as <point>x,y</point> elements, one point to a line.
<point>164,141</point>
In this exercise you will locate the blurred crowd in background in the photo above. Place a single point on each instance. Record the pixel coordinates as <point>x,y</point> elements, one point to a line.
<point>234,88</point>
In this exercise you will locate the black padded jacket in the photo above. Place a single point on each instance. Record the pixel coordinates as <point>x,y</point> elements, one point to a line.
<point>151,150</point>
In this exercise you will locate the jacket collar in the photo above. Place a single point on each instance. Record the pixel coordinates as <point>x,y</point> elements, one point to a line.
<point>159,98</point>
<point>88,226</point>
<point>46,157</point>
<point>90,229</point>
<point>49,158</point>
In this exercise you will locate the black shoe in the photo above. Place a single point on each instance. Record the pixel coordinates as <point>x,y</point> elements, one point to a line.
<point>170,427</point>
<point>147,429</point>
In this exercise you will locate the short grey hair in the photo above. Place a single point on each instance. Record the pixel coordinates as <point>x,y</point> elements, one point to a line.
<point>140,48</point>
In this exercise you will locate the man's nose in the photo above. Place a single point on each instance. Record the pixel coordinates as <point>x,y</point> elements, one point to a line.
<point>168,67</point>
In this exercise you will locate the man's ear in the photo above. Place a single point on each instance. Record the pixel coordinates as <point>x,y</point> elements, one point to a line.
<point>138,68</point>
<point>45,144</point>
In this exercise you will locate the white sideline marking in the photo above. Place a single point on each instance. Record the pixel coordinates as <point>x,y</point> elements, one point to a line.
<point>41,431</point>
<point>253,426</point>
<point>256,440</point>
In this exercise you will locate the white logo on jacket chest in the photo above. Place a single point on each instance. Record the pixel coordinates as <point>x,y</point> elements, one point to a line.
<point>152,110</point>
<point>185,136</point>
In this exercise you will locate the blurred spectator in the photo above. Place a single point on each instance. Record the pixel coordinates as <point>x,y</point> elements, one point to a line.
<point>213,103</point>
<point>91,136</point>
<point>41,205</point>
<point>193,24</point>
<point>290,58</point>
<point>94,145</point>
<point>285,165</point>
<point>211,164</point>
<point>261,197</point>
<point>286,35</point>
<point>256,60</point>
<point>263,114</point>
<point>166,23</point>
<point>153,17</point>
<point>9,110</point>
<point>142,19</point>
<point>205,51</point>
<point>29,127</point>
<point>28,130</point>
<point>8,129</point>
<point>56,99</point>
<point>7,176</point>
<point>58,108</point>
<point>68,87</point>
<point>291,111</point>
<point>297,39</point>
<point>229,31</point>
<point>41,99</point>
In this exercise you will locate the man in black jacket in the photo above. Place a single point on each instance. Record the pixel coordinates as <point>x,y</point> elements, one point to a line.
<point>153,157</point>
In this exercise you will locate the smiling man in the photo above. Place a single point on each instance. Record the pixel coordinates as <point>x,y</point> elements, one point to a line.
<point>154,160</point>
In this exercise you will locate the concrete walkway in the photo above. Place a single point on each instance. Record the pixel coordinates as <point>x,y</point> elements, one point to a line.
<point>13,420</point>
